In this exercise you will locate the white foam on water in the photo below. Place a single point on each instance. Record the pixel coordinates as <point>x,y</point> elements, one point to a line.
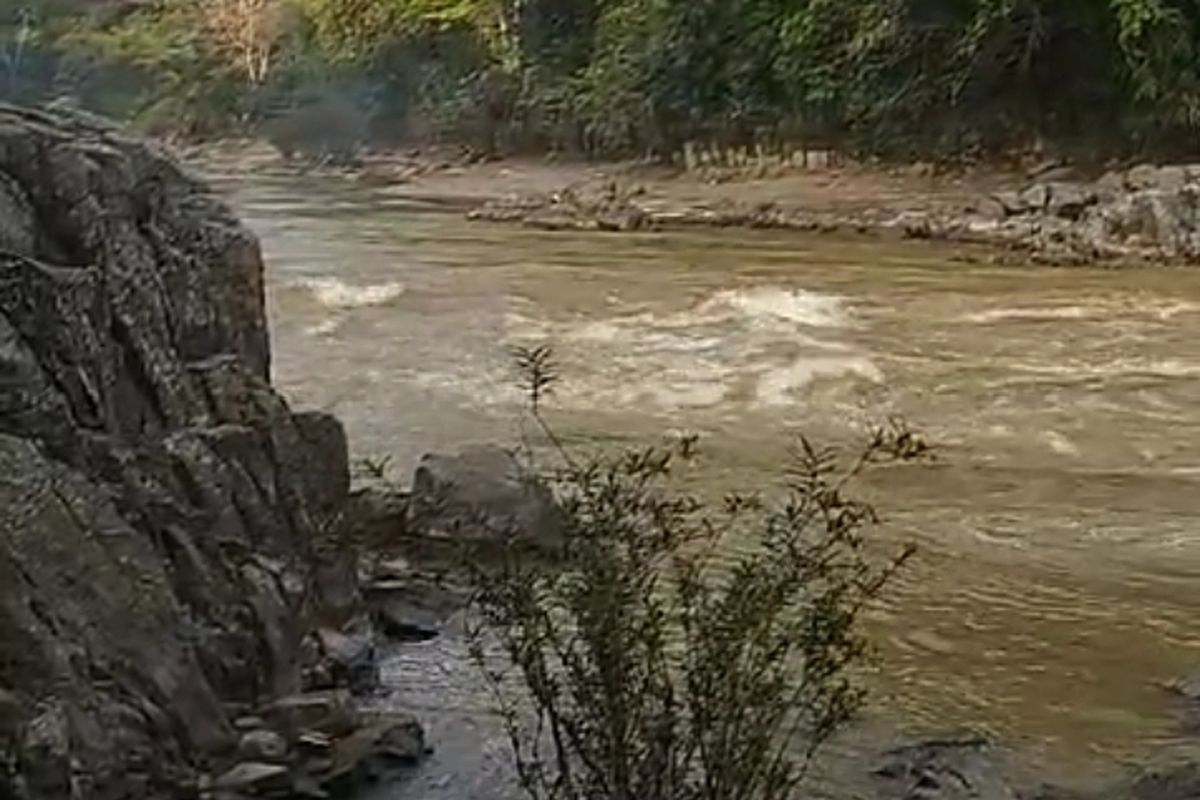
<point>759,346</point>
<point>1124,307</point>
<point>326,327</point>
<point>1117,368</point>
<point>1044,314</point>
<point>755,348</point>
<point>1187,472</point>
<point>781,386</point>
<point>1060,444</point>
<point>336,294</point>
<point>772,304</point>
<point>1171,310</point>
<point>478,384</point>
<point>695,390</point>
<point>646,339</point>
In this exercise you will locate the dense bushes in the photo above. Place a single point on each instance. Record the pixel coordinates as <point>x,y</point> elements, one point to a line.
<point>630,76</point>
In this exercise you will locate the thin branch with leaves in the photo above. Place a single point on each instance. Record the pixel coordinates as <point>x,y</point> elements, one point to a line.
<point>655,660</point>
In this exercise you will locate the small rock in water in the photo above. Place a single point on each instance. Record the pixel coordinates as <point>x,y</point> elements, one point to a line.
<point>387,742</point>
<point>406,622</point>
<point>1180,782</point>
<point>1069,200</point>
<point>1186,687</point>
<point>967,768</point>
<point>1186,690</point>
<point>413,610</point>
<point>263,746</point>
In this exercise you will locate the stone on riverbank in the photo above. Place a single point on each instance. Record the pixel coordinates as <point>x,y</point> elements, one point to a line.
<point>951,769</point>
<point>1146,213</point>
<point>263,745</point>
<point>610,206</point>
<point>481,493</point>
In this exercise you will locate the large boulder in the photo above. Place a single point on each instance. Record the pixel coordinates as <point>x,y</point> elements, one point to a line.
<point>1144,213</point>
<point>961,768</point>
<point>481,493</point>
<point>161,507</point>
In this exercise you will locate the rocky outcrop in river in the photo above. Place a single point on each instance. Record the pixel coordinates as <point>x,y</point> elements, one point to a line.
<point>168,525</point>
<point>1146,213</point>
<point>1143,214</point>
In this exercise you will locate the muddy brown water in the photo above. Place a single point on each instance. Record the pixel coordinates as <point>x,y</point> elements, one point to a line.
<point>1059,534</point>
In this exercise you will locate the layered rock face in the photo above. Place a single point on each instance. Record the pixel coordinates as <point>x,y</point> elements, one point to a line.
<point>162,509</point>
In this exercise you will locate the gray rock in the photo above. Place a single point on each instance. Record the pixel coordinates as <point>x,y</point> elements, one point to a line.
<point>1143,176</point>
<point>992,208</point>
<point>1056,173</point>
<point>1111,184</point>
<point>1036,198</point>
<point>386,742</point>
<point>254,777</point>
<point>1010,202</point>
<point>1186,691</point>
<point>1177,782</point>
<point>335,578</point>
<point>1070,200</point>
<point>482,492</point>
<point>378,514</point>
<point>18,223</point>
<point>1146,213</point>
<point>1161,220</point>
<point>157,497</point>
<point>263,746</point>
<point>951,769</point>
<point>45,754</point>
<point>1171,178</point>
<point>12,714</point>
<point>1186,687</point>
<point>353,659</point>
<point>406,620</point>
<point>331,713</point>
<point>413,608</point>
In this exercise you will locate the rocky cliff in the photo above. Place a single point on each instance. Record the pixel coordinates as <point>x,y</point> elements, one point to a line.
<point>162,509</point>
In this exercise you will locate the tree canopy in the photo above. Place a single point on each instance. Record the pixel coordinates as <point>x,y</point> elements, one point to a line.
<point>889,76</point>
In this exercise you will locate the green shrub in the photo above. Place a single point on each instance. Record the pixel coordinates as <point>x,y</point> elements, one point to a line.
<point>651,664</point>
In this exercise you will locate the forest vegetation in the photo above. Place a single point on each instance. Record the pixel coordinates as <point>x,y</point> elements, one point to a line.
<point>939,78</point>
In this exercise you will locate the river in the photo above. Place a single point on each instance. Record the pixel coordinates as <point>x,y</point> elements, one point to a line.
<point>1054,584</point>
